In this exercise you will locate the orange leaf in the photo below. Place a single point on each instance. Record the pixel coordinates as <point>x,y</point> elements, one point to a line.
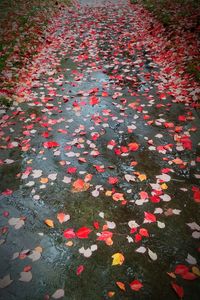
<point>121,285</point>
<point>80,186</point>
<point>44,180</point>
<point>49,223</point>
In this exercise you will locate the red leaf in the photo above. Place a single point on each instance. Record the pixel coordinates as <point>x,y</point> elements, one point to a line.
<point>133,230</point>
<point>104,94</point>
<point>71,170</point>
<point>189,276</point>
<point>50,144</point>
<point>178,289</point>
<point>181,269</point>
<point>105,235</point>
<point>149,217</point>
<point>45,134</point>
<point>138,237</point>
<point>79,270</point>
<point>136,285</point>
<point>94,100</point>
<point>144,232</point>
<point>27,268</point>
<point>113,180</point>
<point>69,233</point>
<point>7,192</point>
<point>83,232</point>
<point>99,169</point>
<point>96,224</point>
<point>197,195</point>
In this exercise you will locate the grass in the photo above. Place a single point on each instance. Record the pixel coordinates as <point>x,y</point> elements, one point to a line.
<point>25,15</point>
<point>184,14</point>
<point>163,9</point>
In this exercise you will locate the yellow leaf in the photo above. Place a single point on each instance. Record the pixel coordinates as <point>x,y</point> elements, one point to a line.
<point>196,271</point>
<point>142,177</point>
<point>108,193</point>
<point>121,285</point>
<point>49,223</point>
<point>118,259</point>
<point>164,186</point>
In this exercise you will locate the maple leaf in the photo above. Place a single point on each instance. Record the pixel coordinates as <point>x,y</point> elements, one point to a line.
<point>83,232</point>
<point>118,259</point>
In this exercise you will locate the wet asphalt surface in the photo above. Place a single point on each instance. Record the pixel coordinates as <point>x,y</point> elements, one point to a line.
<point>87,64</point>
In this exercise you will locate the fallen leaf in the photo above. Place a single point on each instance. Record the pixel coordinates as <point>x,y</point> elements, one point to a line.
<point>118,259</point>
<point>58,294</point>
<point>49,223</point>
<point>178,289</point>
<point>35,255</point>
<point>25,276</point>
<point>80,269</point>
<point>69,233</point>
<point>121,285</point>
<point>83,232</point>
<point>5,281</point>
<point>16,222</point>
<point>152,254</point>
<point>196,271</point>
<point>44,180</point>
<point>181,269</point>
<point>63,217</point>
<point>149,218</point>
<point>80,186</point>
<point>136,285</point>
<point>141,249</point>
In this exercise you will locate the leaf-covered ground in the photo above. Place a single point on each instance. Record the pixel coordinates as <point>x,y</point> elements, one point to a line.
<point>100,163</point>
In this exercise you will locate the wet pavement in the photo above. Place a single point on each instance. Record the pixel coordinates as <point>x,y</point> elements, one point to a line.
<point>101,160</point>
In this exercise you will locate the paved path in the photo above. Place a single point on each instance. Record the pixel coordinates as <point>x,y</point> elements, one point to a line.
<point>101,161</point>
